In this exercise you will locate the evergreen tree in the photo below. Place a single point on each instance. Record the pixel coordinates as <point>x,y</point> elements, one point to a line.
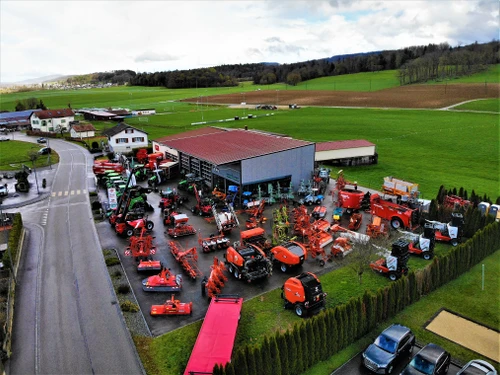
<point>240,362</point>
<point>266,353</point>
<point>306,347</point>
<point>441,194</point>
<point>230,370</point>
<point>250,357</point>
<point>322,335</point>
<point>292,352</point>
<point>297,339</point>
<point>260,366</point>
<point>282,343</point>
<point>274,351</point>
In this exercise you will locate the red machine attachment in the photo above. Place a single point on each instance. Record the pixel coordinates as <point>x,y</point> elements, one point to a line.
<point>181,228</point>
<point>186,258</point>
<point>141,248</point>
<point>212,286</point>
<point>214,242</point>
<point>377,228</point>
<point>172,306</point>
<point>355,221</point>
<point>163,282</point>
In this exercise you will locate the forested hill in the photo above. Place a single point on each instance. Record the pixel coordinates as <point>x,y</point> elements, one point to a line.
<point>415,64</point>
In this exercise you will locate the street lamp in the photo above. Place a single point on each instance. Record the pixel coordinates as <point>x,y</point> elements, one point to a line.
<point>33,156</point>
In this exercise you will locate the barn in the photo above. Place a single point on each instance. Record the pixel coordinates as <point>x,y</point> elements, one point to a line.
<point>346,153</point>
<point>246,158</point>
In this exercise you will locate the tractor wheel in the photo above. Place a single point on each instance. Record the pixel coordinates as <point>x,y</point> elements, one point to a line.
<point>283,267</point>
<point>150,225</point>
<point>393,276</point>
<point>427,255</point>
<point>321,262</point>
<point>309,203</point>
<point>396,223</point>
<point>129,232</point>
<point>230,268</point>
<point>454,242</point>
<point>299,310</point>
<point>236,273</point>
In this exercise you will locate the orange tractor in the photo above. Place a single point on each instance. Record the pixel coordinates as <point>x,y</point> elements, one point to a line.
<point>304,294</point>
<point>172,306</point>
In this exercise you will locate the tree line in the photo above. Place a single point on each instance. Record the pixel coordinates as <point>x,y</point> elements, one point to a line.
<point>415,64</point>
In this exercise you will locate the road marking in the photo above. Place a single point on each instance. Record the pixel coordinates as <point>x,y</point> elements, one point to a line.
<point>59,194</point>
<point>65,193</point>
<point>54,194</point>
<point>78,192</point>
<point>72,192</point>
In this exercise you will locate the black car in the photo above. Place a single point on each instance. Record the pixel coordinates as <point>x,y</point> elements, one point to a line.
<point>430,360</point>
<point>41,140</point>
<point>394,342</point>
<point>45,151</point>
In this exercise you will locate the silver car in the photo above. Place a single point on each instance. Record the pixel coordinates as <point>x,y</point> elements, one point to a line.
<point>477,367</point>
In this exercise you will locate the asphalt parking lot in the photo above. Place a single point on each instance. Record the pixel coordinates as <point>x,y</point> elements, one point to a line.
<point>191,290</point>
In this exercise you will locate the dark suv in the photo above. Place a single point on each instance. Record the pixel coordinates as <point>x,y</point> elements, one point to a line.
<point>394,342</point>
<point>430,360</point>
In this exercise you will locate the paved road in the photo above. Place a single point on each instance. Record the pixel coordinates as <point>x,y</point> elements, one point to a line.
<point>67,320</point>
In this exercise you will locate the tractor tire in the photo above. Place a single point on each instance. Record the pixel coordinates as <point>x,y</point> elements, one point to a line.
<point>454,242</point>
<point>321,262</point>
<point>393,276</point>
<point>230,268</point>
<point>283,267</point>
<point>129,232</point>
<point>300,310</point>
<point>396,223</point>
<point>236,273</point>
<point>427,255</point>
<point>150,225</point>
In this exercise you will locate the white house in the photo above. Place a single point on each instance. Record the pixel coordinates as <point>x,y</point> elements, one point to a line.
<point>51,120</point>
<point>82,131</point>
<point>124,138</point>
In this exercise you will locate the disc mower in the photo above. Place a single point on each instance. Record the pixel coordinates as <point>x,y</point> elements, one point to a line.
<point>172,306</point>
<point>163,282</point>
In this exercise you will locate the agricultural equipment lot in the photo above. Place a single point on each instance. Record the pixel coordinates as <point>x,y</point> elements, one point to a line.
<point>191,290</point>
<point>414,96</point>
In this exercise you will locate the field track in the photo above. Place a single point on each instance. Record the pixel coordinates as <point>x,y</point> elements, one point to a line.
<point>412,96</point>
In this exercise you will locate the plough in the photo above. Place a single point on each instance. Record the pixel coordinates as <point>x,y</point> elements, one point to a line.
<point>212,286</point>
<point>186,258</point>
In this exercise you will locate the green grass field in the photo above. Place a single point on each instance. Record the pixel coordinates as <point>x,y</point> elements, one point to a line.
<point>491,75</point>
<point>15,153</point>
<point>491,105</point>
<point>463,296</point>
<point>353,82</point>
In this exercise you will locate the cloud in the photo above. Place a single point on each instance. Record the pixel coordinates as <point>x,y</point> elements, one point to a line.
<point>273,39</point>
<point>150,56</point>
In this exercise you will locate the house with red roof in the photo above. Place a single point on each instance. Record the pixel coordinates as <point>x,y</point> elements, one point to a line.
<point>52,120</point>
<point>349,152</point>
<point>82,131</point>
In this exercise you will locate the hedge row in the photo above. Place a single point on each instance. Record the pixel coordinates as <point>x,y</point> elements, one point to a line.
<point>13,243</point>
<point>317,339</point>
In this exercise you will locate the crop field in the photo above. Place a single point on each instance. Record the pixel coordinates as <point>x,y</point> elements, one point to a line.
<point>491,105</point>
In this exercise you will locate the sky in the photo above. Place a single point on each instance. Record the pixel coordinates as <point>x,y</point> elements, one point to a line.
<point>41,38</point>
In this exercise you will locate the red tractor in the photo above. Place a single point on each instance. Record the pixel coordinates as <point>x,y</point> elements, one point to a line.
<point>304,294</point>
<point>172,306</point>
<point>163,282</point>
<point>170,199</point>
<point>127,228</point>
<point>203,205</point>
<point>181,227</point>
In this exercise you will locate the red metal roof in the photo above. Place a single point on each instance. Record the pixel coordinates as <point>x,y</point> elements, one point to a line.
<point>54,113</point>
<point>216,338</point>
<point>191,133</point>
<point>338,145</point>
<point>83,128</point>
<point>230,146</point>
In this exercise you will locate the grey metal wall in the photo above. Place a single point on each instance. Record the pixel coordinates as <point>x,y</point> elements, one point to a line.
<point>298,162</point>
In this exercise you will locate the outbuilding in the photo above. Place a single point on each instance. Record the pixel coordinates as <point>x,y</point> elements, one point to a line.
<point>82,131</point>
<point>345,153</point>
<point>124,138</point>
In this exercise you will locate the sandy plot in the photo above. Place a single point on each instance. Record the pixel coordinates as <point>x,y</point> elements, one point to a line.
<point>471,335</point>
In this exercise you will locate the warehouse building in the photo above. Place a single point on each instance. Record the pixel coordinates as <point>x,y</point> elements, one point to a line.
<point>346,153</point>
<point>246,158</point>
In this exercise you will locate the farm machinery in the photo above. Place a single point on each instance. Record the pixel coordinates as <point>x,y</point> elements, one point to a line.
<point>248,263</point>
<point>213,242</point>
<point>187,259</point>
<point>421,244</point>
<point>127,228</point>
<point>169,215</point>
<point>172,306</point>
<point>355,221</point>
<point>315,197</point>
<point>255,215</point>
<point>181,227</point>
<point>165,281</point>
<point>171,199</point>
<point>257,237</point>
<point>289,254</point>
<point>450,232</point>
<point>212,286</point>
<point>394,263</point>
<point>319,212</point>
<point>377,228</point>
<point>203,205</point>
<point>403,190</point>
<point>304,294</point>
<point>399,216</point>
<point>226,220</point>
<point>141,248</point>
<point>304,188</point>
<point>455,202</point>
<point>346,241</point>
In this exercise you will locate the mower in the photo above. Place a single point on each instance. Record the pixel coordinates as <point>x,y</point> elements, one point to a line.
<point>163,282</point>
<point>146,266</point>
<point>172,306</point>
<point>451,232</point>
<point>394,263</point>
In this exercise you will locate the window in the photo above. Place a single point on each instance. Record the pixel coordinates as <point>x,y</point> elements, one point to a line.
<point>121,140</point>
<point>138,139</point>
<point>44,123</point>
<point>63,121</point>
<point>129,131</point>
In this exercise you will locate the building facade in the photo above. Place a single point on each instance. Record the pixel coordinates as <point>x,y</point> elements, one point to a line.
<point>124,138</point>
<point>52,120</point>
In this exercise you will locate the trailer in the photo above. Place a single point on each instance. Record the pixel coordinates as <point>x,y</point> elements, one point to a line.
<point>215,341</point>
<point>400,188</point>
<point>399,216</point>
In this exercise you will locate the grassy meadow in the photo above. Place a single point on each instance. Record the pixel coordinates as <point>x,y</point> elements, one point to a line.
<point>491,105</point>
<point>15,153</point>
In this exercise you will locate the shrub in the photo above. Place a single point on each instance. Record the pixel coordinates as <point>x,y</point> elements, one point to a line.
<point>123,288</point>
<point>112,261</point>
<point>117,273</point>
<point>128,306</point>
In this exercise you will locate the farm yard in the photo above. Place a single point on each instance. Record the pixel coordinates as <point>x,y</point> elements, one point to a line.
<point>415,141</point>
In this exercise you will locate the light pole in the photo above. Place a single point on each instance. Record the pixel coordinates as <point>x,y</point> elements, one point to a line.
<point>33,156</point>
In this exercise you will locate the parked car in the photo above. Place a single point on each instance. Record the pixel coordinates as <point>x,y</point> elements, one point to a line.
<point>477,367</point>
<point>4,191</point>
<point>394,342</point>
<point>45,151</point>
<point>430,360</point>
<point>2,139</point>
<point>41,140</point>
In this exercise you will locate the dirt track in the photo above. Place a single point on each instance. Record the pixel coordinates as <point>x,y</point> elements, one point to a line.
<point>415,96</point>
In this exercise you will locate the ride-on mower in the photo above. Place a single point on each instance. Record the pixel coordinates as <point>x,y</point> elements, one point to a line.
<point>451,232</point>
<point>393,265</point>
<point>172,306</point>
<point>163,282</point>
